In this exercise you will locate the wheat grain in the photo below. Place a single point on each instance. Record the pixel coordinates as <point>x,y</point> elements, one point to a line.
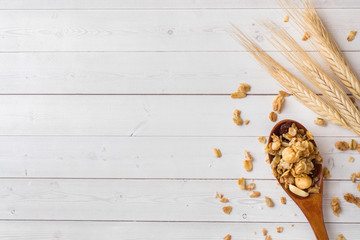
<point>314,73</point>
<point>309,21</point>
<point>290,82</point>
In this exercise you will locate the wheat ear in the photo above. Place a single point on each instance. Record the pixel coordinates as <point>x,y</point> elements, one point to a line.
<point>290,82</point>
<point>314,73</point>
<point>309,21</point>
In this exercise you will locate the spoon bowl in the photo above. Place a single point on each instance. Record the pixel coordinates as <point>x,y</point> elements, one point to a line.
<point>311,205</point>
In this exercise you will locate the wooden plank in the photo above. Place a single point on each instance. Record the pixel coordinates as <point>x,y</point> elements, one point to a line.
<point>151,30</point>
<point>138,73</point>
<point>157,200</point>
<point>149,157</point>
<point>141,4</point>
<point>165,230</point>
<point>167,115</point>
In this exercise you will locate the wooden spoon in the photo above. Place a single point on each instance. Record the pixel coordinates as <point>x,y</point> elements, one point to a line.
<point>311,206</point>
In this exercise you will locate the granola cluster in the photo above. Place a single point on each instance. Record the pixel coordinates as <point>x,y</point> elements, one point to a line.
<point>294,158</point>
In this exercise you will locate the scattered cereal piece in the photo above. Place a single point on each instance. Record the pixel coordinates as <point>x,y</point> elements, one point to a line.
<point>326,173</point>
<point>227,209</point>
<point>351,35</point>
<point>283,200</point>
<point>241,183</point>
<point>224,200</point>
<point>227,237</point>
<point>264,231</point>
<point>246,122</point>
<point>244,87</point>
<point>353,177</point>
<point>358,148</point>
<point>340,237</point>
<point>248,166</point>
<point>320,122</point>
<point>358,175</point>
<point>262,139</point>
<point>277,103</point>
<point>306,36</point>
<point>250,187</point>
<point>292,225</point>
<point>267,159</point>
<point>273,116</point>
<point>217,152</point>
<point>286,18</point>
<point>358,187</point>
<point>279,229</point>
<point>268,237</point>
<point>352,199</point>
<point>218,195</point>
<point>269,202</point>
<point>351,159</point>
<point>353,144</point>
<point>236,117</point>
<point>342,146</point>
<point>238,95</point>
<point>255,194</point>
<point>284,94</point>
<point>248,155</point>
<point>335,206</point>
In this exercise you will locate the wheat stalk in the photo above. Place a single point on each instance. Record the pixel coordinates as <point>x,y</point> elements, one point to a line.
<point>331,90</point>
<point>290,82</point>
<point>309,21</point>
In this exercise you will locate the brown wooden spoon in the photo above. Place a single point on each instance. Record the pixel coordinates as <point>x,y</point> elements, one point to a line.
<point>311,206</point>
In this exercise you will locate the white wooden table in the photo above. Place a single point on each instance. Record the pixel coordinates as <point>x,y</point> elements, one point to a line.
<point>109,111</point>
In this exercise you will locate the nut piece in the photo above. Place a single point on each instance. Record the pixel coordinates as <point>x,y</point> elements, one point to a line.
<point>326,173</point>
<point>227,237</point>
<point>306,36</point>
<point>250,187</point>
<point>247,122</point>
<point>352,199</point>
<point>264,231</point>
<point>335,206</point>
<point>269,202</point>
<point>320,122</point>
<point>351,35</point>
<point>236,117</point>
<point>279,229</point>
<point>342,146</point>
<point>248,165</point>
<point>238,95</point>
<point>227,209</point>
<point>340,237</point>
<point>268,237</point>
<point>224,200</point>
<point>277,103</point>
<point>283,200</point>
<point>353,177</point>
<point>262,139</point>
<point>284,94</point>
<point>255,194</point>
<point>286,18</point>
<point>244,87</point>
<point>353,144</point>
<point>241,183</point>
<point>289,155</point>
<point>303,182</point>
<point>351,159</point>
<point>217,152</point>
<point>298,191</point>
<point>218,195</point>
<point>248,156</point>
<point>273,117</point>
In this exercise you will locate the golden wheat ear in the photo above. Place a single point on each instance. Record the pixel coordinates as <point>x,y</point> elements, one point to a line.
<point>307,19</point>
<point>288,81</point>
<point>331,90</point>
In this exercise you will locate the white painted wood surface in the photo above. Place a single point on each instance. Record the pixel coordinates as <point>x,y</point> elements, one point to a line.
<point>109,111</point>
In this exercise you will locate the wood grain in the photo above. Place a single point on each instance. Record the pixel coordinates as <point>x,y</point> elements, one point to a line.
<point>163,230</point>
<point>157,200</point>
<point>149,157</point>
<point>151,30</point>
